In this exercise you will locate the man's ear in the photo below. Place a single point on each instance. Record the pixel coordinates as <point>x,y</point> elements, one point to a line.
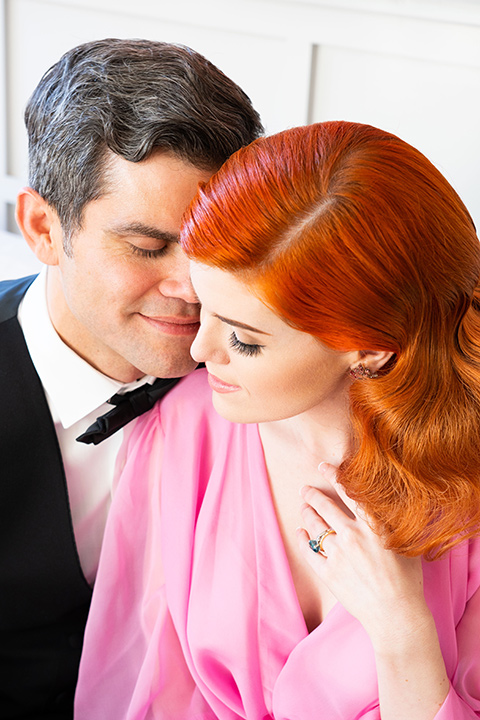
<point>40,226</point>
<point>374,360</point>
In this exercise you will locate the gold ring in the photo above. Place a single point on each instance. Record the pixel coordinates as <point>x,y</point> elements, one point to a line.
<point>317,544</point>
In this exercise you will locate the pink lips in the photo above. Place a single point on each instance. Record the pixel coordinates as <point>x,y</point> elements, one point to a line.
<point>174,326</point>
<point>221,386</point>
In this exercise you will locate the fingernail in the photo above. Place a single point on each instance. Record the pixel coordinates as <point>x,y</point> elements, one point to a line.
<point>320,468</point>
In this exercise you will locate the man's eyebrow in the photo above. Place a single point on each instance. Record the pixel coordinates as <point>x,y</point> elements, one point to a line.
<point>138,228</point>
<point>234,323</point>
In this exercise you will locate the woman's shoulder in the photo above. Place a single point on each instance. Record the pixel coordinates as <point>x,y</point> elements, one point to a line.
<point>185,407</point>
<point>194,382</point>
<point>473,584</point>
<point>464,560</point>
<point>457,572</point>
<point>191,398</point>
<point>185,412</point>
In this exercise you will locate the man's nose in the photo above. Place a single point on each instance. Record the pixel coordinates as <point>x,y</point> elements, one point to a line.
<point>175,281</point>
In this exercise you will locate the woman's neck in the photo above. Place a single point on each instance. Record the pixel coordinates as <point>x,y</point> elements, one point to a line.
<point>293,449</point>
<point>320,434</point>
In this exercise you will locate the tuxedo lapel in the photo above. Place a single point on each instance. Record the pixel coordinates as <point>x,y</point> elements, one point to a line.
<point>36,536</point>
<point>11,293</point>
<point>45,598</point>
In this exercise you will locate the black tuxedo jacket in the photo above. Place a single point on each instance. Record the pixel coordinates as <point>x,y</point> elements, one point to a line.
<point>44,597</point>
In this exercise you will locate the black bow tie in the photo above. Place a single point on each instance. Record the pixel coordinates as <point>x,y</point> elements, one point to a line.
<point>127,406</point>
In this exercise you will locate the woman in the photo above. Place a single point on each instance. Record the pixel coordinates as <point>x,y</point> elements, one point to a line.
<point>337,271</point>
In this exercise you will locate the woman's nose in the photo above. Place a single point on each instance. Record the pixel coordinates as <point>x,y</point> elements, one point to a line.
<point>208,345</point>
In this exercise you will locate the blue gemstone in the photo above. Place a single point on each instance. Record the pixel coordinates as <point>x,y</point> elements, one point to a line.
<point>314,545</point>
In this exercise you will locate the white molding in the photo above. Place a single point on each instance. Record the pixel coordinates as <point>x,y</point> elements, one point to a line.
<point>273,40</point>
<point>458,11</point>
<point>410,28</point>
<point>265,15</point>
<point>297,78</point>
<point>9,187</point>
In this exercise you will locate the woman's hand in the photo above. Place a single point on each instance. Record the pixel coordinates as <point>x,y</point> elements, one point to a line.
<point>382,589</point>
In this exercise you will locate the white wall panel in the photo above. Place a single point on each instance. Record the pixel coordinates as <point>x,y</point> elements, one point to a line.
<point>252,60</point>
<point>410,66</point>
<point>434,106</point>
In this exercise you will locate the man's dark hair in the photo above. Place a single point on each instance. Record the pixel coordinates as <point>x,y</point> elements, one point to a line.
<point>129,97</point>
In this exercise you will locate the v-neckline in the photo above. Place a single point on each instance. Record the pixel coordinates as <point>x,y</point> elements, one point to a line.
<point>276,613</point>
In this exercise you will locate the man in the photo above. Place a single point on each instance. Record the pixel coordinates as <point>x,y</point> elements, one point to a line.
<point>120,135</point>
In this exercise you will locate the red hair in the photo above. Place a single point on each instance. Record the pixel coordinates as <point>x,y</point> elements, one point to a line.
<point>350,234</point>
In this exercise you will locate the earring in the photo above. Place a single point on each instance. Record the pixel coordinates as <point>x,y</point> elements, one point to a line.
<point>362,372</point>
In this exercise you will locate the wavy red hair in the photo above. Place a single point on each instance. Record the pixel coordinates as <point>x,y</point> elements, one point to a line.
<point>352,235</point>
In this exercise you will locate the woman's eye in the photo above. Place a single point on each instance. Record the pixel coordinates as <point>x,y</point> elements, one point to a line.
<point>243,348</point>
<point>144,252</point>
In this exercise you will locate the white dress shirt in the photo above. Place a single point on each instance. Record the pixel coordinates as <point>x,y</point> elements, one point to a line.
<point>76,394</point>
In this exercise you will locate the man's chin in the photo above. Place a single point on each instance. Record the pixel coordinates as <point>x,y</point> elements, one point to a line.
<point>177,369</point>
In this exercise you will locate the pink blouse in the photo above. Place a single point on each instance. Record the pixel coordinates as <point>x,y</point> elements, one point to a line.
<point>195,615</point>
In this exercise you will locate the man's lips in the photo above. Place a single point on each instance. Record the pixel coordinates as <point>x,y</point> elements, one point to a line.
<point>174,325</point>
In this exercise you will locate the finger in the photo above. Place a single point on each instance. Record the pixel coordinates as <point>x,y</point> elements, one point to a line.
<point>326,507</point>
<point>311,557</point>
<point>329,472</point>
<point>317,529</point>
<point>313,523</point>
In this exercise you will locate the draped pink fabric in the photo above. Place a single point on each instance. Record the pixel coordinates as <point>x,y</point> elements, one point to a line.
<point>195,615</point>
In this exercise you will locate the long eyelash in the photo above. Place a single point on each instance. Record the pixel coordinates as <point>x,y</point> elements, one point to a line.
<point>243,348</point>
<point>149,253</point>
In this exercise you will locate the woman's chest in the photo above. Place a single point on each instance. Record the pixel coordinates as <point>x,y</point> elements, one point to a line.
<point>314,598</point>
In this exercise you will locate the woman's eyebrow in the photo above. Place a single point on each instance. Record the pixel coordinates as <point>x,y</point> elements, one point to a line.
<point>234,323</point>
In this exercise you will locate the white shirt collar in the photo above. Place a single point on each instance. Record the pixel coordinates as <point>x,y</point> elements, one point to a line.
<point>73,387</point>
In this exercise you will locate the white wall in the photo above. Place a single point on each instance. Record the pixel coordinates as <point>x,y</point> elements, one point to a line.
<point>409,66</point>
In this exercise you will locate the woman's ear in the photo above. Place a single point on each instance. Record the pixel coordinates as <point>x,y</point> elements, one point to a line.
<point>371,361</point>
<point>40,226</point>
